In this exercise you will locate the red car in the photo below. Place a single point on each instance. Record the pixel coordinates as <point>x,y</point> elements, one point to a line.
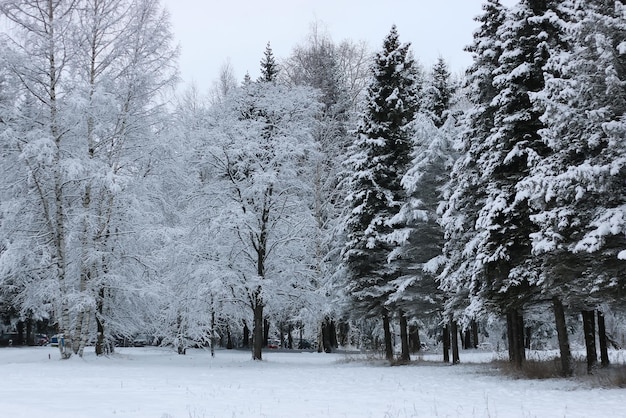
<point>273,344</point>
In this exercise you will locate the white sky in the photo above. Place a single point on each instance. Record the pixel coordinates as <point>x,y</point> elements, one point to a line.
<point>212,31</point>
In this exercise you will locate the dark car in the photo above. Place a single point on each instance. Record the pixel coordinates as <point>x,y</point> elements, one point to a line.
<point>142,340</point>
<point>41,339</point>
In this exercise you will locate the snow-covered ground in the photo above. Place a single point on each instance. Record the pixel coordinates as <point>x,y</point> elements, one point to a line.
<point>157,383</point>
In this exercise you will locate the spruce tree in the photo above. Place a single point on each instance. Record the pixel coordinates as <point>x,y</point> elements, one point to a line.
<point>269,68</point>
<point>530,35</point>
<point>464,194</point>
<point>438,94</point>
<point>380,157</point>
<point>577,190</point>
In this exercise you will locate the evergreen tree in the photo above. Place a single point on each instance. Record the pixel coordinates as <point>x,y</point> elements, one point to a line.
<point>269,68</point>
<point>416,290</point>
<point>380,157</point>
<point>529,35</point>
<point>439,93</point>
<point>577,190</point>
<point>464,194</point>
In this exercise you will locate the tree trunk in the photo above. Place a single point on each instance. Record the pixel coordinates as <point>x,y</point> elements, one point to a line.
<point>332,334</point>
<point>589,329</point>
<point>455,342</point>
<point>567,367</point>
<point>521,340</point>
<point>467,339</point>
<point>20,334</point>
<point>246,335</point>
<point>405,356</point>
<point>212,340</point>
<point>229,338</point>
<point>414,338</point>
<point>258,331</point>
<point>290,337</point>
<point>446,344</point>
<point>474,334</point>
<point>266,331</point>
<point>604,351</point>
<point>387,333</point>
<point>515,336</point>
<point>30,335</point>
<point>102,346</point>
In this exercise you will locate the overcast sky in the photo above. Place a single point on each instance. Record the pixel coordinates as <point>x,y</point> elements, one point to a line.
<point>210,32</point>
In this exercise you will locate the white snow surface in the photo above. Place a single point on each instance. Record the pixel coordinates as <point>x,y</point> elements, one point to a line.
<point>158,383</point>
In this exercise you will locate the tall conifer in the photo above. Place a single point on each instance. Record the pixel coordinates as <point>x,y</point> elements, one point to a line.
<point>380,157</point>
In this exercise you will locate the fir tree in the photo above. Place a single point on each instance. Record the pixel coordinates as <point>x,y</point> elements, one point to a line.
<point>269,68</point>
<point>529,35</point>
<point>577,190</point>
<point>438,95</point>
<point>381,154</point>
<point>464,193</point>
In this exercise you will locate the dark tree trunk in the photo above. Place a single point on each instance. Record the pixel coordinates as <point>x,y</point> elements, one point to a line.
<point>20,334</point>
<point>567,366</point>
<point>30,336</point>
<point>604,350</point>
<point>100,340</point>
<point>446,344</point>
<point>589,329</point>
<point>405,356</point>
<point>474,333</point>
<point>455,342</point>
<point>257,332</point>
<point>246,335</point>
<point>521,340</point>
<point>213,340</point>
<point>387,333</point>
<point>332,334</point>
<point>229,338</point>
<point>326,344</point>
<point>266,332</point>
<point>320,339</point>
<point>467,339</point>
<point>343,330</point>
<point>414,339</point>
<point>290,337</point>
<point>515,336</point>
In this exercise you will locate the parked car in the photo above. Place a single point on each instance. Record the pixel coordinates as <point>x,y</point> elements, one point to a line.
<point>41,339</point>
<point>54,340</point>
<point>273,344</point>
<point>141,340</point>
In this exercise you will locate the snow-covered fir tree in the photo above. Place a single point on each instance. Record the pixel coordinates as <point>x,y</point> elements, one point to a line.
<point>464,194</point>
<point>439,91</point>
<point>577,190</point>
<point>380,157</point>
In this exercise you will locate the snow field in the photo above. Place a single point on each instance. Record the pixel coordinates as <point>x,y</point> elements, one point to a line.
<point>158,383</point>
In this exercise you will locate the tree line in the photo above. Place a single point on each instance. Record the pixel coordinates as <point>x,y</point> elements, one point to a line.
<point>334,195</point>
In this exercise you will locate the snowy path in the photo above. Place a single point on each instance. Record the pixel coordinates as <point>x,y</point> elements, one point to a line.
<point>154,382</point>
